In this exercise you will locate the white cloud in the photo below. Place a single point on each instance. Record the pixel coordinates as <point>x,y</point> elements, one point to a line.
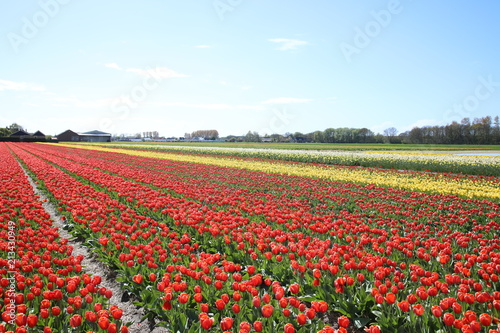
<point>288,44</point>
<point>204,46</point>
<point>19,86</point>
<point>286,100</point>
<point>113,65</point>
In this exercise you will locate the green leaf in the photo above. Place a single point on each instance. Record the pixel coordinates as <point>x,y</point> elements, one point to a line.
<point>183,319</point>
<point>361,322</point>
<point>308,298</point>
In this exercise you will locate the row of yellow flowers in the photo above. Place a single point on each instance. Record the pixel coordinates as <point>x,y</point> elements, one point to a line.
<point>425,182</point>
<point>476,165</point>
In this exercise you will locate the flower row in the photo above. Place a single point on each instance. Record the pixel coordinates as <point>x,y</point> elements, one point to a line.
<point>43,287</point>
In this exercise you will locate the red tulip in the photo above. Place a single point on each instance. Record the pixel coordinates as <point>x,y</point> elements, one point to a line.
<point>138,278</point>
<point>91,316</point>
<point>257,326</point>
<point>75,320</point>
<point>448,319</point>
<point>343,321</point>
<point>485,319</point>
<point>206,322</point>
<point>103,322</point>
<point>32,320</point>
<point>404,306</point>
<point>289,328</point>
<point>301,318</point>
<point>436,311</point>
<point>183,298</point>
<point>294,288</point>
<point>112,328</point>
<point>373,329</point>
<point>390,298</point>
<point>245,326</point>
<point>418,309</point>
<point>117,313</point>
<point>267,310</point>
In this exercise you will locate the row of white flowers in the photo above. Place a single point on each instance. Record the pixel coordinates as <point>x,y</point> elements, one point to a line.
<point>402,156</point>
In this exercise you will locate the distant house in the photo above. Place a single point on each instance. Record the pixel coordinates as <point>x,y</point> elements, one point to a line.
<point>68,135</point>
<point>21,134</point>
<point>38,135</point>
<point>91,136</point>
<point>267,139</point>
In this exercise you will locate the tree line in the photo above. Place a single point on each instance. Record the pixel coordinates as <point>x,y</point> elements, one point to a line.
<point>478,131</point>
<point>204,134</point>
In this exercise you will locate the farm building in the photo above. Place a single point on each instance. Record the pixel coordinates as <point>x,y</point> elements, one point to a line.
<point>68,135</point>
<point>95,136</point>
<point>21,134</point>
<point>38,135</point>
<point>92,136</point>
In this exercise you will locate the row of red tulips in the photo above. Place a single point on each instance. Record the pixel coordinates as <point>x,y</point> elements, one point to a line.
<point>42,285</point>
<point>221,245</point>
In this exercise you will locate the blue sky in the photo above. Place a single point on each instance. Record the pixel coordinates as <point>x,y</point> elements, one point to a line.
<point>279,66</point>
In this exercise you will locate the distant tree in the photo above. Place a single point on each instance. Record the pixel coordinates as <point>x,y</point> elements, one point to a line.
<point>298,137</point>
<point>496,130</point>
<point>205,134</point>
<point>15,127</point>
<point>453,133</point>
<point>415,135</point>
<point>309,137</point>
<point>252,137</point>
<point>379,138</point>
<point>390,134</point>
<point>277,138</point>
<point>329,135</point>
<point>4,132</point>
<point>318,136</point>
<point>482,129</point>
<point>365,135</point>
<point>466,130</point>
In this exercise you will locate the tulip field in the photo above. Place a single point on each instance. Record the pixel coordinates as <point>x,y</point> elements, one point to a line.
<point>229,243</point>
